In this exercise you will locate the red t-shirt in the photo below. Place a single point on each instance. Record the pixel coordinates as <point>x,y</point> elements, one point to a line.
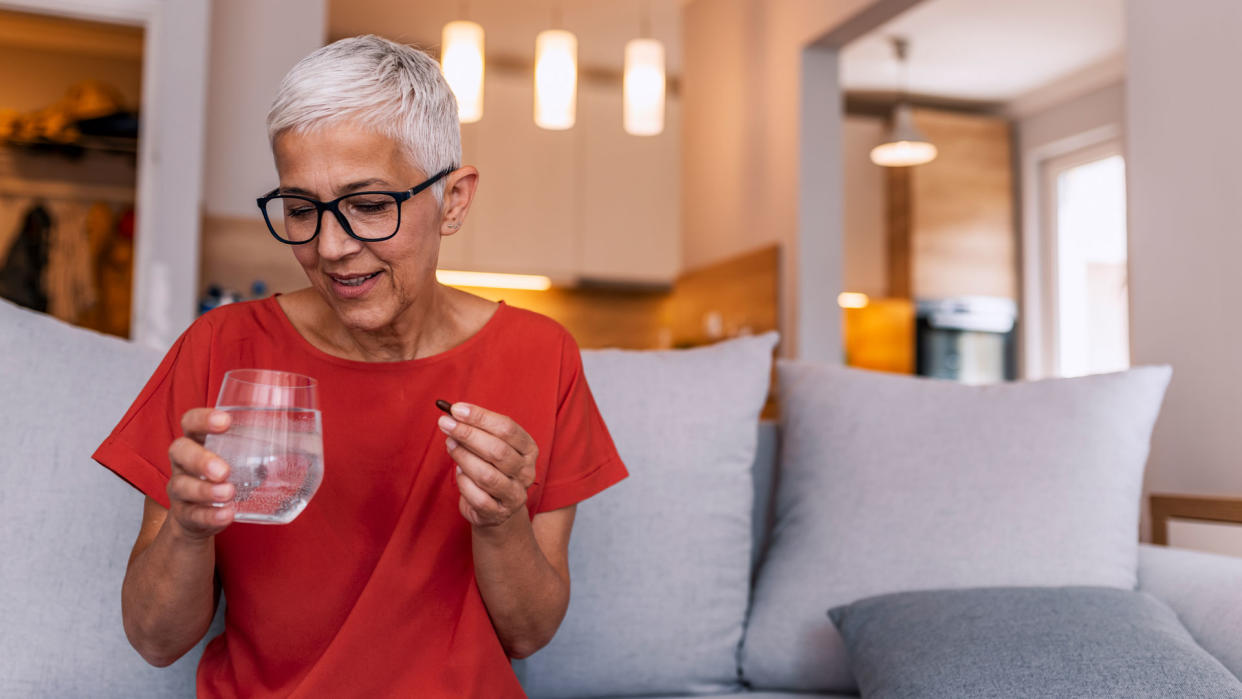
<point>371,590</point>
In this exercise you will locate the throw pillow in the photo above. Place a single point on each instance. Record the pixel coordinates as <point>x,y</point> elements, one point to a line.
<point>1026,642</point>
<point>891,483</point>
<point>660,563</point>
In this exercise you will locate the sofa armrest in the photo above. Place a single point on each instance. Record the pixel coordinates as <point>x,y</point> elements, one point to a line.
<point>1196,507</point>
<point>1205,590</point>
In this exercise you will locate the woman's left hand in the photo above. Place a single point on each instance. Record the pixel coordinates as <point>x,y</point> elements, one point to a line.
<point>495,463</point>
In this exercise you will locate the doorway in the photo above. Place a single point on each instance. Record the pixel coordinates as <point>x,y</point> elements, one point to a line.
<point>69,96</point>
<point>170,155</point>
<point>1084,272</point>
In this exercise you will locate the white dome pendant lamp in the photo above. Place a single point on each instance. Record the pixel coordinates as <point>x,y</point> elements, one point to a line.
<point>904,146</point>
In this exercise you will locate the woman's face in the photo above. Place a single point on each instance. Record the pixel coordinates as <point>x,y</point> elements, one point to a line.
<point>338,159</point>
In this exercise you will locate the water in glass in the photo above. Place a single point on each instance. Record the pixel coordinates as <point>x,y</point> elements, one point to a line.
<point>274,445</point>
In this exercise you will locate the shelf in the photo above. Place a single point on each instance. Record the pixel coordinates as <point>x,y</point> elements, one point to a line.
<point>101,144</point>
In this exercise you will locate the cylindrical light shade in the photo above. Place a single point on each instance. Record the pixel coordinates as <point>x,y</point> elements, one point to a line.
<point>905,145</point>
<point>556,79</point>
<point>644,87</point>
<point>461,59</point>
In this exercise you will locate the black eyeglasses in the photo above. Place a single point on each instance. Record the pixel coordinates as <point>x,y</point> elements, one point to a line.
<point>367,216</point>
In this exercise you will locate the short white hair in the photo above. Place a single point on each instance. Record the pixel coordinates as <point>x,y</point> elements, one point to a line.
<point>395,89</point>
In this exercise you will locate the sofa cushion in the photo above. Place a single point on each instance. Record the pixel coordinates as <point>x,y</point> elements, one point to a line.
<point>890,483</point>
<point>660,563</point>
<point>1026,641</point>
<point>66,525</point>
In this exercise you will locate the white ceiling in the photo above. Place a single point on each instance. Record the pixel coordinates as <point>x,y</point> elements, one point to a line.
<point>510,26</point>
<point>987,50</point>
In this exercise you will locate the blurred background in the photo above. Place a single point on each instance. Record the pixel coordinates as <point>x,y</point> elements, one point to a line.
<point>964,189</point>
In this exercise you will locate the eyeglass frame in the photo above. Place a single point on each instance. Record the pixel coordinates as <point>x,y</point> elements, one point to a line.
<point>334,206</point>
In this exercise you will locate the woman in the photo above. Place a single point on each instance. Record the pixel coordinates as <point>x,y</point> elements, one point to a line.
<point>436,547</point>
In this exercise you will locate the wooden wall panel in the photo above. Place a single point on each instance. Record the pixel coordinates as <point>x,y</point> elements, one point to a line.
<point>963,240</point>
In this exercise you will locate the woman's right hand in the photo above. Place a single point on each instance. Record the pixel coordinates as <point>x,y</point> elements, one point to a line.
<point>199,477</point>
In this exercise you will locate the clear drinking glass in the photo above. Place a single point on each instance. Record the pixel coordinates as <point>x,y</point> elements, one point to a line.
<point>274,445</point>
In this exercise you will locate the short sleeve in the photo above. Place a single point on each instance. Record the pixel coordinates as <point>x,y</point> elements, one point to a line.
<point>137,448</point>
<point>583,459</point>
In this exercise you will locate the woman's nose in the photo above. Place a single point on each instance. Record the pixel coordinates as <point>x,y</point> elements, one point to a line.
<point>334,243</point>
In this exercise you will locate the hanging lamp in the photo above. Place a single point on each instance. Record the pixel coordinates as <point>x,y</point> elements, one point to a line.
<point>461,60</point>
<point>904,145</point>
<point>643,85</point>
<point>556,77</point>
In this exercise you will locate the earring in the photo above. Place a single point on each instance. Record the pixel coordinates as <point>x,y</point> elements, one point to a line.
<point>454,226</point>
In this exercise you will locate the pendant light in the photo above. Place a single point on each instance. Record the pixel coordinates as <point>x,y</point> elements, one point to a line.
<point>556,77</point>
<point>643,86</point>
<point>905,145</point>
<point>461,59</point>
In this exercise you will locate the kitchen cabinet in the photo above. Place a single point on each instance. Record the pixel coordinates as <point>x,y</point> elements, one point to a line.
<point>589,203</point>
<point>629,217</point>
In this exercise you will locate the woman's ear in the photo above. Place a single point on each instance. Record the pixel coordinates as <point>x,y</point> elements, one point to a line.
<point>459,189</point>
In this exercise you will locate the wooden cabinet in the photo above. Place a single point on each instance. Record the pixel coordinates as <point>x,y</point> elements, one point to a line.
<point>588,203</point>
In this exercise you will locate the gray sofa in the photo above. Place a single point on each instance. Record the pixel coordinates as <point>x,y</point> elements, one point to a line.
<point>67,525</point>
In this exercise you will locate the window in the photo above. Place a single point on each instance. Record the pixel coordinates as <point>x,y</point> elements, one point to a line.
<point>1085,270</point>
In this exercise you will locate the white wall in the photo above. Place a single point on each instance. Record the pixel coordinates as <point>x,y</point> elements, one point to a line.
<point>1100,108</point>
<point>865,253</point>
<point>1183,144</point>
<point>741,137</point>
<point>253,45</point>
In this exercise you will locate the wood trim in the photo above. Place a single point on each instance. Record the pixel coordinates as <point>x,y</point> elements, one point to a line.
<point>1195,507</point>
<point>900,219</point>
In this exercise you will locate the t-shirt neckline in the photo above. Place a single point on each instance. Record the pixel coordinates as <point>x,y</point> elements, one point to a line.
<point>489,327</point>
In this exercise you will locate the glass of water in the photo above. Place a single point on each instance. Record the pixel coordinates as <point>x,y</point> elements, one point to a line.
<point>274,445</point>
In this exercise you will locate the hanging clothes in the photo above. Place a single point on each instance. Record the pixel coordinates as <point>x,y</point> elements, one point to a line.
<point>13,210</point>
<point>116,280</point>
<point>70,275</point>
<point>22,275</point>
<point>102,236</point>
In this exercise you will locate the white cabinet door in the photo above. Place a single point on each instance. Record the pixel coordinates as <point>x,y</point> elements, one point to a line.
<point>522,217</point>
<point>630,216</point>
<point>592,202</point>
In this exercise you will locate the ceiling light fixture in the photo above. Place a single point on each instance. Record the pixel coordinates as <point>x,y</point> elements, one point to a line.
<point>905,145</point>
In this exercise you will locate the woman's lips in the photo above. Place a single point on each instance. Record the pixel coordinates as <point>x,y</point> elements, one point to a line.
<point>353,291</point>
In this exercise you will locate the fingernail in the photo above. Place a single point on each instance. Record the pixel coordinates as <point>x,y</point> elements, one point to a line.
<point>461,410</point>
<point>217,470</point>
<point>451,443</point>
<point>459,470</point>
<point>447,423</point>
<point>219,419</point>
<point>222,492</point>
<point>221,515</point>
